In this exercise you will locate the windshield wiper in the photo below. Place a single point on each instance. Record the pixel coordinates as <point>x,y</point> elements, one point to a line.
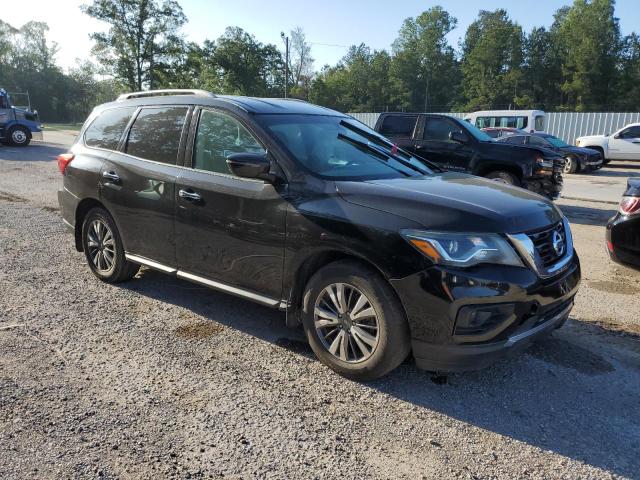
<point>367,148</point>
<point>388,148</point>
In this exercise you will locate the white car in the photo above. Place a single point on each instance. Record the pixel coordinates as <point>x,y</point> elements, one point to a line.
<point>622,145</point>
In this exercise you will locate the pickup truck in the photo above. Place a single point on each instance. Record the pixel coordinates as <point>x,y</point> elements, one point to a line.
<point>457,145</point>
<point>622,145</point>
<point>17,125</point>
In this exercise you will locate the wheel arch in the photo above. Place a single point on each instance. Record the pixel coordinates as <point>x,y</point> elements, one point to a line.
<point>305,269</point>
<point>486,168</point>
<point>82,209</point>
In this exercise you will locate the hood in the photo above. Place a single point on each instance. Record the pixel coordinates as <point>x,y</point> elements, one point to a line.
<point>454,202</point>
<point>591,137</point>
<point>580,150</point>
<point>510,148</point>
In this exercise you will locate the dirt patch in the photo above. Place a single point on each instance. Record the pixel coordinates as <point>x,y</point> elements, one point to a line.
<point>626,329</point>
<point>10,197</point>
<point>569,355</point>
<point>50,209</point>
<point>615,287</point>
<point>198,330</point>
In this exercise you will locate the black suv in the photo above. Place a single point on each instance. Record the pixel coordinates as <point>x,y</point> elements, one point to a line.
<point>304,209</point>
<point>457,145</point>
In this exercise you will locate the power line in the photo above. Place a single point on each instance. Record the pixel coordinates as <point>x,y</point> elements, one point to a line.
<point>329,44</point>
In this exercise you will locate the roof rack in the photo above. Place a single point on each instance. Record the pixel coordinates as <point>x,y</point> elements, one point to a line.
<point>158,93</point>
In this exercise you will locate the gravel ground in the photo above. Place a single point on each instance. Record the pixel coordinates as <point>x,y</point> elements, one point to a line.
<point>160,378</point>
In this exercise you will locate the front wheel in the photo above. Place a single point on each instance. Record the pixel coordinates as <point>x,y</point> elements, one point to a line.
<point>504,177</point>
<point>570,165</point>
<point>103,248</point>
<point>18,136</point>
<point>354,322</point>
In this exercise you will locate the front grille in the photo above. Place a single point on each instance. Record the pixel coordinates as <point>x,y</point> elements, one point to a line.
<point>543,242</point>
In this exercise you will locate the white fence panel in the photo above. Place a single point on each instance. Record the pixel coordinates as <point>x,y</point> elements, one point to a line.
<point>565,125</point>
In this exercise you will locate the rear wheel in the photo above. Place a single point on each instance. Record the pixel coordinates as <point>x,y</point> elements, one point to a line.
<point>503,177</point>
<point>354,322</point>
<point>103,248</point>
<point>18,136</point>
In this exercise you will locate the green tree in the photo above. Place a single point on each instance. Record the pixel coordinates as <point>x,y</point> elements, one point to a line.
<point>359,83</point>
<point>142,41</point>
<point>589,38</point>
<point>492,58</point>
<point>424,69</point>
<point>244,66</point>
<point>629,85</point>
<point>301,64</point>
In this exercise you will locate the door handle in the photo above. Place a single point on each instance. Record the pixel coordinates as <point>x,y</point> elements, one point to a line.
<point>189,195</point>
<point>111,176</point>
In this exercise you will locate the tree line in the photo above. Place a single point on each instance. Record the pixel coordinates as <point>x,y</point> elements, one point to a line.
<point>580,62</point>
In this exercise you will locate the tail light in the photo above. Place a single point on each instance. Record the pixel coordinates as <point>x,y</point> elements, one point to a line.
<point>629,205</point>
<point>64,159</point>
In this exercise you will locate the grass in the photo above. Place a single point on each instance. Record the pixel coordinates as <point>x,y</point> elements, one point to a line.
<point>63,126</point>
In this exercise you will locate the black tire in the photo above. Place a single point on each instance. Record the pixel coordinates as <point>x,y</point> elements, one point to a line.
<point>503,177</point>
<point>18,136</point>
<point>571,165</point>
<point>120,269</point>
<point>392,331</point>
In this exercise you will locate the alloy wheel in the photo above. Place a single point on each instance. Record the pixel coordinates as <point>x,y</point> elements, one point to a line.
<point>568,165</point>
<point>346,323</point>
<point>101,246</point>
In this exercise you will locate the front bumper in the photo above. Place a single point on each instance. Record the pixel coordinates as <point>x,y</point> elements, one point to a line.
<point>592,163</point>
<point>549,186</point>
<point>434,297</point>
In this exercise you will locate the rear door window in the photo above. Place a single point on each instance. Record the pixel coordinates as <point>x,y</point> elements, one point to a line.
<point>107,129</point>
<point>399,125</point>
<point>155,134</point>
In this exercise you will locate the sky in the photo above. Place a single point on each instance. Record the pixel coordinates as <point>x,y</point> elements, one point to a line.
<point>331,26</point>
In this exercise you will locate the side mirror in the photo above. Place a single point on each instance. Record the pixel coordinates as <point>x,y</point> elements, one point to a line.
<point>250,165</point>
<point>458,137</point>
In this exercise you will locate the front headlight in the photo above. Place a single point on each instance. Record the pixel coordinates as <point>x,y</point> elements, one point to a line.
<point>463,249</point>
<point>544,162</point>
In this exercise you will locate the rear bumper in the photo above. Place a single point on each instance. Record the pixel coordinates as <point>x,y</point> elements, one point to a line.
<point>623,234</point>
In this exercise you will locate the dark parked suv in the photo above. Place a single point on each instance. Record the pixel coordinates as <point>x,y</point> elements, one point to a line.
<point>302,208</point>
<point>457,145</point>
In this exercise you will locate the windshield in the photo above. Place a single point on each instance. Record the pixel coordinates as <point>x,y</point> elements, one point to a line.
<point>340,148</point>
<point>556,142</point>
<point>479,134</point>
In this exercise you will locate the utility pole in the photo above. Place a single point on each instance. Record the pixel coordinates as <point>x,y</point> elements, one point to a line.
<point>286,61</point>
